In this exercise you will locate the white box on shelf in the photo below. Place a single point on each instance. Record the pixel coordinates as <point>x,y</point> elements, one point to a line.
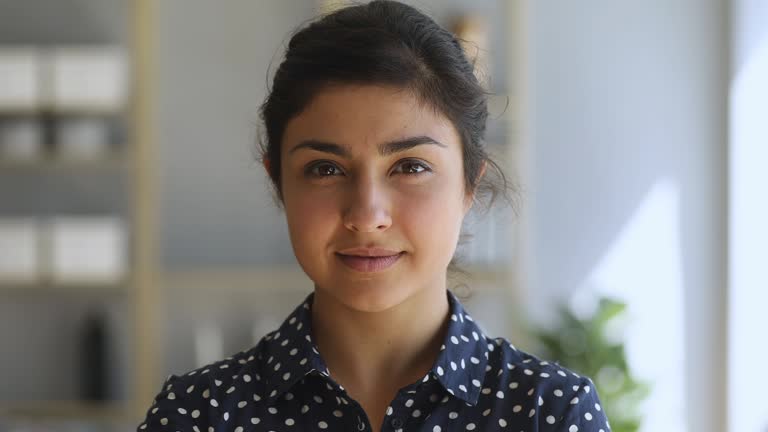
<point>88,77</point>
<point>19,250</point>
<point>20,76</point>
<point>21,140</point>
<point>88,249</point>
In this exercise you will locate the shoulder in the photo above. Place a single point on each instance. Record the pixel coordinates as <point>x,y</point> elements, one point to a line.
<point>553,392</point>
<point>191,398</point>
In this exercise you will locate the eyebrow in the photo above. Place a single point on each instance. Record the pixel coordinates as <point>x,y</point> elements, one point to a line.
<point>384,149</point>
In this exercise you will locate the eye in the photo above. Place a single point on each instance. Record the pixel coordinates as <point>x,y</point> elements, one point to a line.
<point>412,167</point>
<point>323,169</point>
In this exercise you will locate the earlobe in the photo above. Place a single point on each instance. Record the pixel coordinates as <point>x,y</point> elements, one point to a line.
<point>481,174</point>
<point>267,165</point>
<point>471,197</point>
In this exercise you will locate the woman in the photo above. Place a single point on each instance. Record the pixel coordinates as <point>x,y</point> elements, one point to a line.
<point>374,129</point>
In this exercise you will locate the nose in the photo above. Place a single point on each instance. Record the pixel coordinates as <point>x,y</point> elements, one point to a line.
<point>368,208</point>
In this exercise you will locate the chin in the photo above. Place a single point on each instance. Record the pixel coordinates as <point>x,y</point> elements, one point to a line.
<point>366,295</point>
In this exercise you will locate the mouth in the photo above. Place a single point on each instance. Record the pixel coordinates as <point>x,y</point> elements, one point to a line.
<point>370,263</point>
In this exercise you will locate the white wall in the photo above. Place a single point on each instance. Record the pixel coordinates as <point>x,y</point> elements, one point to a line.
<point>748,211</point>
<point>624,135</point>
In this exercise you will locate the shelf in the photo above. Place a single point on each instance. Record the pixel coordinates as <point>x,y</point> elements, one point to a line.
<point>113,162</point>
<point>42,288</point>
<point>79,410</point>
<point>291,279</point>
<point>54,111</point>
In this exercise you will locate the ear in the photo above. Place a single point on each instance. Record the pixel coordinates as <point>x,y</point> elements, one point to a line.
<point>471,196</point>
<point>267,165</point>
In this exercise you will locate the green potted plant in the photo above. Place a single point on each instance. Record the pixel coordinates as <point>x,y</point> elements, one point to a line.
<point>584,345</point>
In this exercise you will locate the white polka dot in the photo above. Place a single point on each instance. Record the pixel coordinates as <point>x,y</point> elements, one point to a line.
<point>255,420</point>
<point>322,425</point>
<point>500,394</point>
<point>337,413</point>
<point>239,429</point>
<point>214,403</point>
<point>226,416</point>
<point>551,419</point>
<point>182,411</point>
<point>573,428</point>
<point>471,426</point>
<point>389,410</point>
<point>289,421</point>
<point>502,423</point>
<point>195,414</point>
<point>558,393</point>
<point>163,421</point>
<point>436,429</point>
<point>416,413</point>
<point>588,416</point>
<point>409,403</point>
<point>452,415</point>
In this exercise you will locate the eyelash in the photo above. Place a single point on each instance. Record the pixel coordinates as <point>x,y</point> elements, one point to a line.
<point>311,170</point>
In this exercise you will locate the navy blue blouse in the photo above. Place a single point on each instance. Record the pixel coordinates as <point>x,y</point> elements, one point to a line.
<point>282,384</point>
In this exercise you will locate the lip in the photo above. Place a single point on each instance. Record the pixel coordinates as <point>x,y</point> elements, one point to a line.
<point>369,252</point>
<point>369,260</point>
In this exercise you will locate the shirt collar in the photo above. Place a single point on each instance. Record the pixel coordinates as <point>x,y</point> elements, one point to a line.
<point>460,366</point>
<point>291,353</point>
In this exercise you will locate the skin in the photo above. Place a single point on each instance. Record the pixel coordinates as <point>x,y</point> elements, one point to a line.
<point>377,331</point>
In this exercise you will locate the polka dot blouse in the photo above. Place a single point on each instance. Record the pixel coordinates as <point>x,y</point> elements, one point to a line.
<point>282,384</point>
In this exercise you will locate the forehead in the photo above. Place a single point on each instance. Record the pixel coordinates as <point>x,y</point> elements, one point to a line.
<point>363,115</point>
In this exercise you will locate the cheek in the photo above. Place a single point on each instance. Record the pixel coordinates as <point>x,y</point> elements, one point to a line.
<point>432,220</point>
<point>311,217</point>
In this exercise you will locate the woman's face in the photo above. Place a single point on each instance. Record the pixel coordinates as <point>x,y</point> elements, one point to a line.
<point>373,191</point>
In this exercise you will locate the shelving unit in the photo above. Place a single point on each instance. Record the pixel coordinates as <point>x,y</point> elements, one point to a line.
<point>134,296</point>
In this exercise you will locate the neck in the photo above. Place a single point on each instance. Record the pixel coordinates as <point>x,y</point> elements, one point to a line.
<point>395,346</point>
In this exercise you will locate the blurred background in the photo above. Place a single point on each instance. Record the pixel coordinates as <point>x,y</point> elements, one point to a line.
<point>138,236</point>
